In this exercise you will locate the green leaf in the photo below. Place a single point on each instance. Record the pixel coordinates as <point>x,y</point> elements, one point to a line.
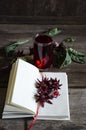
<point>69,39</point>
<point>67,60</point>
<point>53,32</point>
<point>74,52</point>
<point>77,56</point>
<point>61,57</point>
<point>78,59</point>
<point>13,46</point>
<point>58,55</point>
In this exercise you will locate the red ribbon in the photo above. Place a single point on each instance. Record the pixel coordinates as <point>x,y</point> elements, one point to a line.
<point>35,118</point>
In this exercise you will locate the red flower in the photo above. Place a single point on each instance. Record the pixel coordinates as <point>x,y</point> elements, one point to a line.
<point>47,89</point>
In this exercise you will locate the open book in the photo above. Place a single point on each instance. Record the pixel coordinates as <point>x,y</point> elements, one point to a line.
<point>20,101</point>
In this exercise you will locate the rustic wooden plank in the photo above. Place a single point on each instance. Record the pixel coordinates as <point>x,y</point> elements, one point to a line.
<point>43,8</point>
<point>67,20</point>
<point>27,28</point>
<point>9,33</point>
<point>77,98</point>
<point>13,8</point>
<point>44,12</point>
<point>76,72</point>
<point>59,8</point>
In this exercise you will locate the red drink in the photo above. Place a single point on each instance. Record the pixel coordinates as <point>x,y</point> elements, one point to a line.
<point>43,51</point>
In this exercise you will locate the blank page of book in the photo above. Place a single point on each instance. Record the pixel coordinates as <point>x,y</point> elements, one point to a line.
<point>24,87</point>
<point>59,110</point>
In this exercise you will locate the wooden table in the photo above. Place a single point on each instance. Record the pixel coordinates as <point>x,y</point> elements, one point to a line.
<point>76,76</point>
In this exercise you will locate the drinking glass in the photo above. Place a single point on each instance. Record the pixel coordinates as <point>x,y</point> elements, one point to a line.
<point>43,51</point>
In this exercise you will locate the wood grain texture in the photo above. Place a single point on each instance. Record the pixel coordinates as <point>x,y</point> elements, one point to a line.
<point>76,72</point>
<point>76,76</point>
<point>44,12</point>
<point>63,20</point>
<point>60,8</point>
<point>16,8</point>
<point>43,8</point>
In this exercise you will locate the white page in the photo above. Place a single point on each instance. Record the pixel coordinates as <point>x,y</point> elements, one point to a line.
<point>14,112</point>
<point>59,110</point>
<point>24,87</point>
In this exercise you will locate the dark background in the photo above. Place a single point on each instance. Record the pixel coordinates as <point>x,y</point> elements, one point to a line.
<point>43,11</point>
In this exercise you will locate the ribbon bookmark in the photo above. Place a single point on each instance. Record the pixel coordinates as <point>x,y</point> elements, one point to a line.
<point>35,118</point>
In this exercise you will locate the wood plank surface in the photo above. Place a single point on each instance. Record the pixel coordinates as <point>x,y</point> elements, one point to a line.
<point>44,12</point>
<point>76,76</point>
<point>11,33</point>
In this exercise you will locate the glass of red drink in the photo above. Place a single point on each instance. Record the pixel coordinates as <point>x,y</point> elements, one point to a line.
<point>43,51</point>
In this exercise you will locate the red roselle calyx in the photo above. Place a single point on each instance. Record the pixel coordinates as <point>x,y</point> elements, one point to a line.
<point>47,89</point>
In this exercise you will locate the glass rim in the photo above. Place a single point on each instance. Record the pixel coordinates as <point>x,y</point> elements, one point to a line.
<point>39,37</point>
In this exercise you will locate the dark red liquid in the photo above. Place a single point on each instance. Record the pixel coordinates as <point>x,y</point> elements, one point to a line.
<point>43,51</point>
